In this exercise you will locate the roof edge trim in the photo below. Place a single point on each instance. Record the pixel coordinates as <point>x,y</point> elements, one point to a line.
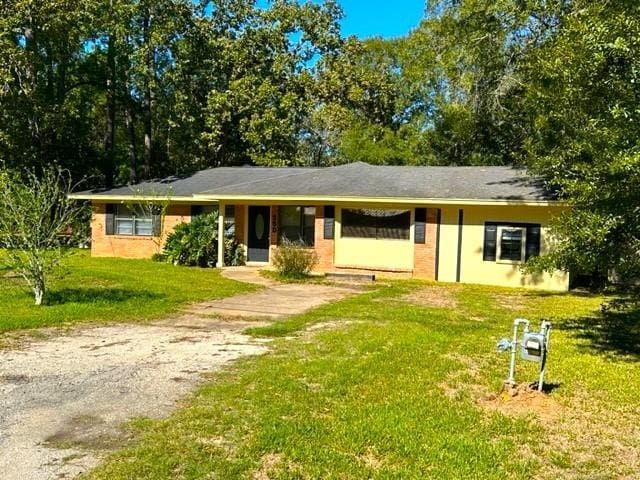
<point>395,200</point>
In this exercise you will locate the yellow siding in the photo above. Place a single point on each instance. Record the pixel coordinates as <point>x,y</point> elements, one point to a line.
<point>472,267</point>
<point>372,253</point>
<point>448,251</point>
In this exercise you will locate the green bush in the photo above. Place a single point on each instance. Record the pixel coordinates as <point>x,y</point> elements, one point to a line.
<point>294,259</point>
<point>196,244</point>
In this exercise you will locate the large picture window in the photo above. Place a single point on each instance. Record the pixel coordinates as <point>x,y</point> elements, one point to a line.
<point>376,223</point>
<point>297,224</point>
<point>131,221</point>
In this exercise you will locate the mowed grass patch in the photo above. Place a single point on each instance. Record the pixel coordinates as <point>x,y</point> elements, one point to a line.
<point>379,386</point>
<point>110,289</point>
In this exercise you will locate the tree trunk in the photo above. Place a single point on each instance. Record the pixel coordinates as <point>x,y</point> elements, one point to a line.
<point>110,112</point>
<point>131,135</point>
<point>39,289</point>
<point>147,107</point>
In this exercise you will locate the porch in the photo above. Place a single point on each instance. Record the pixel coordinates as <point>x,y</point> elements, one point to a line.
<point>391,239</point>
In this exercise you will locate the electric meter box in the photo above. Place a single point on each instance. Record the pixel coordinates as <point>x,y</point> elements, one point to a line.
<point>533,346</point>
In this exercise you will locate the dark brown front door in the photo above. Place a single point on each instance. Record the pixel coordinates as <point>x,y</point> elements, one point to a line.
<point>258,235</point>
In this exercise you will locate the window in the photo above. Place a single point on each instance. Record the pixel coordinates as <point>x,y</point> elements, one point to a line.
<point>133,221</point>
<point>379,224</point>
<point>297,224</point>
<point>329,222</point>
<point>230,219</point>
<point>420,222</point>
<point>229,215</point>
<point>511,243</point>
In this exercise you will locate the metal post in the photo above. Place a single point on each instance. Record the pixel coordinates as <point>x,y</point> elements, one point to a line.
<point>545,328</point>
<point>220,262</point>
<point>514,348</point>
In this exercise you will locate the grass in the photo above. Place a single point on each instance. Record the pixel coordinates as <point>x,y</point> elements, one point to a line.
<point>110,289</point>
<point>397,383</point>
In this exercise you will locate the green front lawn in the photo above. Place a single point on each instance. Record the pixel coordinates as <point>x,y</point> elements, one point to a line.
<point>400,382</point>
<point>110,289</point>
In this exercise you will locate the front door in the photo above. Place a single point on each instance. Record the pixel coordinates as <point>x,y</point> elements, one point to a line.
<point>258,236</point>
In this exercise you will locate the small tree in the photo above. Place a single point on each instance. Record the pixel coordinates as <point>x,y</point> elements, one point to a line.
<point>35,213</point>
<point>294,259</point>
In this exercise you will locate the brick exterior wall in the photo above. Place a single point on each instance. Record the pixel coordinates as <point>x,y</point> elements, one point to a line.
<point>128,246</point>
<point>324,248</point>
<point>424,257</point>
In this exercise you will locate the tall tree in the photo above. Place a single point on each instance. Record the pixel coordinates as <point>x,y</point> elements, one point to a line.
<point>584,92</point>
<point>365,111</point>
<point>264,85</point>
<point>466,59</point>
<point>48,84</point>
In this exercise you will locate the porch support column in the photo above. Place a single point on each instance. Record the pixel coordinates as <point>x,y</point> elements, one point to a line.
<point>220,262</point>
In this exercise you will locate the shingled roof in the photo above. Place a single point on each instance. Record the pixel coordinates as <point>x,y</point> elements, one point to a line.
<point>352,180</point>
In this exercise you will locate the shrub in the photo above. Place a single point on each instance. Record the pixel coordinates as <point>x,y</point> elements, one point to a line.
<point>196,244</point>
<point>294,259</point>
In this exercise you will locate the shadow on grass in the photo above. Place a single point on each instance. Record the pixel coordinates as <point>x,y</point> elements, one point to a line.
<point>98,295</point>
<point>612,332</point>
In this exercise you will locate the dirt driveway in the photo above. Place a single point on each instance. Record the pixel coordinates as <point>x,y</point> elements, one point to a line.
<point>63,399</point>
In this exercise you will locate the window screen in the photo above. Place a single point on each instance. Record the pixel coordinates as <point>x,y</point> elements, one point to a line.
<point>376,223</point>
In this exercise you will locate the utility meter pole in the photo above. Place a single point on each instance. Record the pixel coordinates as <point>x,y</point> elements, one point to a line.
<point>533,346</point>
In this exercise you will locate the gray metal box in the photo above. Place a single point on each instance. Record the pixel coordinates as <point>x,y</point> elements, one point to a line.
<point>533,346</point>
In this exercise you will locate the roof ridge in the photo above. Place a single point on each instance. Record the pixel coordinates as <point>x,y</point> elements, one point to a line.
<point>249,182</point>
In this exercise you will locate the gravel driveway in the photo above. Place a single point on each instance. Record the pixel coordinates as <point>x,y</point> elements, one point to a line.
<point>63,399</point>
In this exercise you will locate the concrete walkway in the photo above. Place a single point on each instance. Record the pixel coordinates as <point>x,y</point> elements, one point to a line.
<point>274,301</point>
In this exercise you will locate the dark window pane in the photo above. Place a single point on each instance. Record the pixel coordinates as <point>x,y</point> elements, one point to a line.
<point>511,244</point>
<point>376,223</point>
<point>420,225</point>
<point>329,216</point>
<point>490,244</point>
<point>297,224</point>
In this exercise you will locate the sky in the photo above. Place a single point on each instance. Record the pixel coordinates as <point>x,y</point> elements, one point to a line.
<point>387,18</point>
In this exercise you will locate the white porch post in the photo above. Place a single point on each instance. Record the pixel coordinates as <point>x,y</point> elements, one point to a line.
<point>220,262</point>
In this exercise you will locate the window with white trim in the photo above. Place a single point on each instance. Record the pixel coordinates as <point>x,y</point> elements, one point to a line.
<point>129,221</point>
<point>512,244</point>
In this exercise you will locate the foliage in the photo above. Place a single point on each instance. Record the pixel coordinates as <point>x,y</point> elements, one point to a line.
<point>294,259</point>
<point>124,90</point>
<point>99,290</point>
<point>584,91</point>
<point>196,244</point>
<point>35,215</point>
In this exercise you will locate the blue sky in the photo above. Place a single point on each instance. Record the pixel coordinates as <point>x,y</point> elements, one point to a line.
<point>369,18</point>
<point>388,18</point>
